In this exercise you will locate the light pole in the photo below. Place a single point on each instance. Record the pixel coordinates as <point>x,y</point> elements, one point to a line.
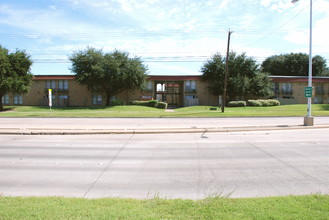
<point>309,119</point>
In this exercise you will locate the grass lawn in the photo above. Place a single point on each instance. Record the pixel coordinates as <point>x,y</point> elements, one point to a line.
<point>141,111</point>
<point>290,207</point>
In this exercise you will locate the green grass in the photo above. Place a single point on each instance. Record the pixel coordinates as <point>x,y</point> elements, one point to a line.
<point>290,207</point>
<point>141,111</point>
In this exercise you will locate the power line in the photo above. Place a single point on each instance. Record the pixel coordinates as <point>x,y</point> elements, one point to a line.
<point>135,33</point>
<point>166,59</point>
<point>276,29</point>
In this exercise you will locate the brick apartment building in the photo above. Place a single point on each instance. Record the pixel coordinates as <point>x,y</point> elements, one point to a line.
<point>175,90</point>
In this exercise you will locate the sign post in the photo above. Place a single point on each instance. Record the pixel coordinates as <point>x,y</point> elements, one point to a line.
<point>50,98</point>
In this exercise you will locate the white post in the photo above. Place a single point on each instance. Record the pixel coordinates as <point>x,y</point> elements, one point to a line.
<point>50,99</point>
<point>309,120</point>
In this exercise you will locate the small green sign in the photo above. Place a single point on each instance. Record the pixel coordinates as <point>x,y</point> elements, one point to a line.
<point>308,92</point>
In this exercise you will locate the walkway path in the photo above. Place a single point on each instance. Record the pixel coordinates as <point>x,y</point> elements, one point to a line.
<point>151,125</point>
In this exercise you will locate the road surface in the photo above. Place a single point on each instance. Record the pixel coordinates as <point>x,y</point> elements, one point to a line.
<point>193,166</point>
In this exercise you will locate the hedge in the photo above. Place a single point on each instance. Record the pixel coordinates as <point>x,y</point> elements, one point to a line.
<point>162,105</point>
<point>142,103</point>
<point>237,104</point>
<point>151,103</point>
<point>117,102</point>
<point>274,102</point>
<point>255,103</point>
<point>263,103</point>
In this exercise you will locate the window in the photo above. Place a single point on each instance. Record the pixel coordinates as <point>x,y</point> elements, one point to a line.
<point>63,84</point>
<point>149,85</point>
<point>97,99</point>
<point>18,100</point>
<point>161,87</point>
<point>286,88</point>
<point>193,84</point>
<point>51,84</point>
<point>276,87</point>
<point>190,85</point>
<point>5,100</point>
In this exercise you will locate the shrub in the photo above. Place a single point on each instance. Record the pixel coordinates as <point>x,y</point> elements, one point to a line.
<point>153,103</point>
<point>237,104</point>
<point>274,102</point>
<point>264,103</point>
<point>255,103</point>
<point>162,105</point>
<point>142,103</point>
<point>117,102</point>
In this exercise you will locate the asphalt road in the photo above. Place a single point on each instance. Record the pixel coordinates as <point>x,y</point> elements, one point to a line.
<point>194,166</point>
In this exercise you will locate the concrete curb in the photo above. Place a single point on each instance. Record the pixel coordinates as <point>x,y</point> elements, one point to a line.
<point>49,131</point>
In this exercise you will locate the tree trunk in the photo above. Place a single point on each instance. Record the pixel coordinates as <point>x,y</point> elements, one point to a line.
<point>1,105</point>
<point>108,99</point>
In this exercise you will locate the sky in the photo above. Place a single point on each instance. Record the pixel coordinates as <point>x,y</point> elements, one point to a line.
<point>172,37</point>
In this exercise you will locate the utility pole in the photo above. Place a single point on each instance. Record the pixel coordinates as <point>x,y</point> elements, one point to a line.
<point>226,70</point>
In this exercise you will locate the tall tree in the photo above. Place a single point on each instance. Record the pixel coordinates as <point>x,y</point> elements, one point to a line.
<point>243,77</point>
<point>15,73</point>
<point>294,64</point>
<point>111,72</point>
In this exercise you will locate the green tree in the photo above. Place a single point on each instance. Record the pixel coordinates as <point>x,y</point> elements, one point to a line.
<point>15,73</point>
<point>244,79</point>
<point>294,64</point>
<point>111,72</point>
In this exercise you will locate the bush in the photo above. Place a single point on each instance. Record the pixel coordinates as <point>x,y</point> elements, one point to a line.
<point>237,104</point>
<point>274,102</point>
<point>142,103</point>
<point>153,103</point>
<point>254,103</point>
<point>162,105</point>
<point>264,103</point>
<point>117,102</point>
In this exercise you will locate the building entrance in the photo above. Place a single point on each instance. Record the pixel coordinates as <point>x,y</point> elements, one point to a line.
<point>169,92</point>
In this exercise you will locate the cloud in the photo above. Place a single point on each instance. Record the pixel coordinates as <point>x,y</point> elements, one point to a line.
<point>277,5</point>
<point>189,29</point>
<point>320,24</point>
<point>46,22</point>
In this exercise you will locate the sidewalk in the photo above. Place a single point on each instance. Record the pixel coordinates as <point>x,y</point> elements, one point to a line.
<point>85,126</point>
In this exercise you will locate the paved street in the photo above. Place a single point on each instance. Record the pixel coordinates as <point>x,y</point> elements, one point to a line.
<point>238,164</point>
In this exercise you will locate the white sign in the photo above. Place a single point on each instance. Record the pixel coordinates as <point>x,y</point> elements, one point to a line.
<point>50,97</point>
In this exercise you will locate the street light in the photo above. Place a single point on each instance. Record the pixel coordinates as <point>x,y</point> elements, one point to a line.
<point>309,119</point>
